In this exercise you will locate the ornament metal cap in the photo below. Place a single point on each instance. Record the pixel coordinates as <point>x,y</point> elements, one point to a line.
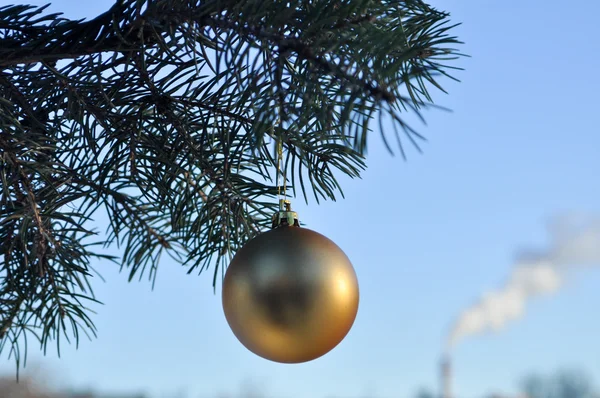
<point>285,216</point>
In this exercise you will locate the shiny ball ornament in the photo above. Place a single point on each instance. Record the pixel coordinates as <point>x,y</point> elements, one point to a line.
<point>290,295</point>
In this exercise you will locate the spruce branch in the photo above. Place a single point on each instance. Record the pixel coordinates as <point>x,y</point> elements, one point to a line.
<point>163,115</point>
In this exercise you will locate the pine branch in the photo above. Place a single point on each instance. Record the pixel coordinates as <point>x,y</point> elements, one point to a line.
<point>118,30</point>
<point>163,115</point>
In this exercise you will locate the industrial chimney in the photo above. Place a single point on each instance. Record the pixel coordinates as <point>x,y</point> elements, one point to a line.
<point>446,377</point>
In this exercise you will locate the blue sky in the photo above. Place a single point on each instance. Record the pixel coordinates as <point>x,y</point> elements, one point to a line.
<point>518,148</point>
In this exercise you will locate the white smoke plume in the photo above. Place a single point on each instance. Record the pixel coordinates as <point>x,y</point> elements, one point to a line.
<point>575,242</point>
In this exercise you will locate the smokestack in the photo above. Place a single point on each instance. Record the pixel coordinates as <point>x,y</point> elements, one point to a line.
<point>446,377</point>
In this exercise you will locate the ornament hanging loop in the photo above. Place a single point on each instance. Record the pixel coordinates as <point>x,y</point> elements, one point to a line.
<point>285,216</point>
<point>281,172</point>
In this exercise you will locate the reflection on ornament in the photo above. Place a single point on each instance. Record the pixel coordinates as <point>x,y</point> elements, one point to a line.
<point>290,295</point>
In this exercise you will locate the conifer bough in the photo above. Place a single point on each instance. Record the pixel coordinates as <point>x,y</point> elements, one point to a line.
<point>161,117</point>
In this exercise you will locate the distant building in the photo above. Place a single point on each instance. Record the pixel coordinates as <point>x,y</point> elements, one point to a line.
<point>9,388</point>
<point>496,395</point>
<point>100,395</point>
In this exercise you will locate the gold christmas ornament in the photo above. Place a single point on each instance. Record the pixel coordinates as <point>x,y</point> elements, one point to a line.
<point>290,295</point>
